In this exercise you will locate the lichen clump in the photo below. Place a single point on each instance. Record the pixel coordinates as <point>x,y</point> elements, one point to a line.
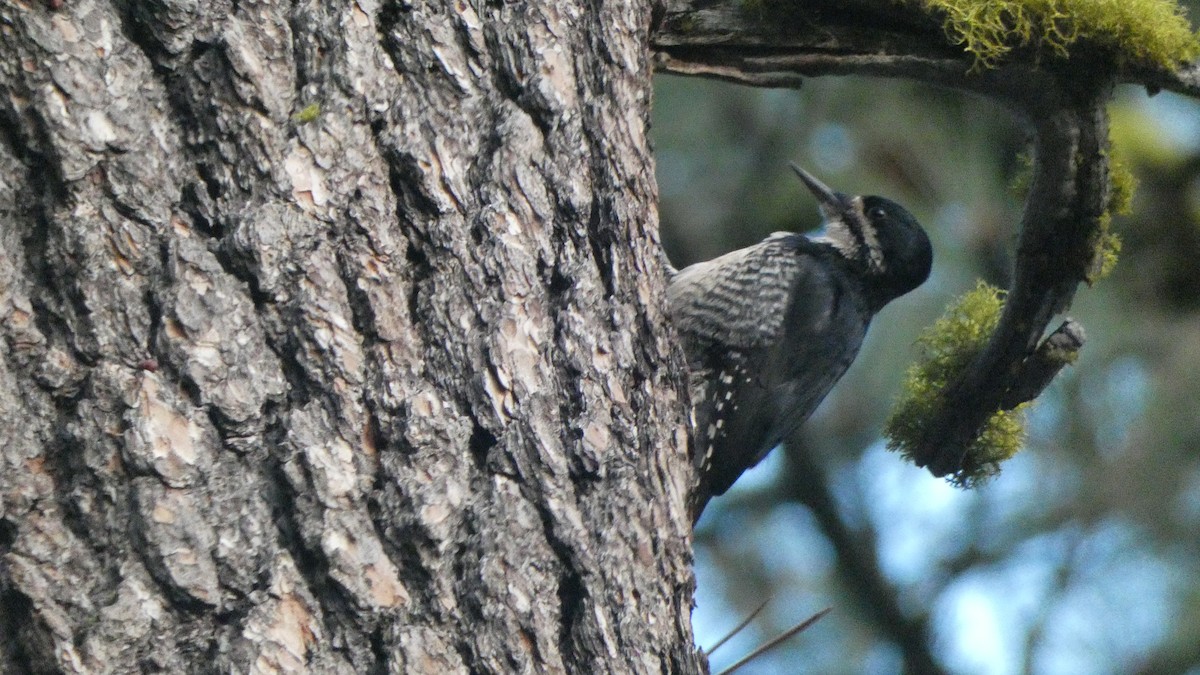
<point>1144,32</point>
<point>946,348</point>
<point>308,113</point>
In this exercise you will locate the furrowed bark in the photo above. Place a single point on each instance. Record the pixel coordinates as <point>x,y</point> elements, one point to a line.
<point>332,340</point>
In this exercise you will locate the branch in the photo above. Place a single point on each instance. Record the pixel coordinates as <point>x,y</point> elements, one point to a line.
<point>1063,101</point>
<point>1185,80</point>
<point>858,561</point>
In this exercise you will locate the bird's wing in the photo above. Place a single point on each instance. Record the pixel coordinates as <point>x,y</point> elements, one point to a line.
<point>823,330</point>
<point>732,300</point>
<point>734,415</point>
<point>762,328</point>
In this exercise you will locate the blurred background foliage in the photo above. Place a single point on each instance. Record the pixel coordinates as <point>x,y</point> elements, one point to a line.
<point>1083,555</point>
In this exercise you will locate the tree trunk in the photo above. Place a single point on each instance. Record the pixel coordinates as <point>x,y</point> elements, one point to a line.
<point>333,339</point>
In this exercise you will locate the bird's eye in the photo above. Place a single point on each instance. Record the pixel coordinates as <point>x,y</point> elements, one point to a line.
<point>877,213</point>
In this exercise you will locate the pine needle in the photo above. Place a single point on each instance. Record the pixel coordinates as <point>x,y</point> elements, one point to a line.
<point>771,644</point>
<point>737,629</point>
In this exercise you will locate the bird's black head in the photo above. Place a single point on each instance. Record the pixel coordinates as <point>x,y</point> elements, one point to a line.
<point>877,236</point>
<point>906,254</point>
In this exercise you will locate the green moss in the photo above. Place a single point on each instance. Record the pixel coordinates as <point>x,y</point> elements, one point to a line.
<point>947,347</point>
<point>308,113</point>
<point>1124,184</point>
<point>1146,32</point>
<point>1106,250</point>
<point>1106,244</point>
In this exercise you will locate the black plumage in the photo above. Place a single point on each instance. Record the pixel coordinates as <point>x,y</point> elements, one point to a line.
<point>769,329</point>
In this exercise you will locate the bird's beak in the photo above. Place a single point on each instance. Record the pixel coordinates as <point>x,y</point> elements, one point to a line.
<point>832,204</point>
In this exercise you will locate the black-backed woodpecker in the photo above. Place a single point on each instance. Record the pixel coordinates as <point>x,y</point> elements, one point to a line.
<point>767,330</point>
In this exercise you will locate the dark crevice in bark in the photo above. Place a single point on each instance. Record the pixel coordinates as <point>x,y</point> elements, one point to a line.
<point>362,313</point>
<point>509,86</point>
<point>571,406</point>
<point>25,645</point>
<point>402,543</point>
<point>233,615</point>
<point>230,431</point>
<point>285,346</point>
<point>404,172</point>
<point>74,484</point>
<point>572,403</point>
<point>600,238</point>
<point>170,70</point>
<point>15,609</point>
<point>556,283</point>
<point>403,538</point>
<point>481,443</point>
<point>503,463</point>
<point>466,566</point>
<point>43,169</point>
<point>187,385</point>
<point>64,283</point>
<point>8,534</point>
<point>401,175</point>
<point>389,18</point>
<point>154,319</point>
<point>242,266</point>
<point>478,234</point>
<point>212,185</point>
<point>571,608</point>
<point>203,206</point>
<point>338,612</point>
<point>46,190</point>
<point>559,294</point>
<point>389,425</point>
<point>157,317</point>
<point>379,649</point>
<point>136,27</point>
<point>572,587</point>
<point>10,133</point>
<point>306,73</point>
<point>123,209</point>
<point>200,208</point>
<point>421,271</point>
<point>46,296</point>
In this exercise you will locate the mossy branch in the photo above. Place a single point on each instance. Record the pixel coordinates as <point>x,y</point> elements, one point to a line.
<point>1150,33</point>
<point>947,349</point>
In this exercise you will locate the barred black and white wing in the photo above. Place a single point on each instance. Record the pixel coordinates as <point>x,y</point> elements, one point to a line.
<point>767,331</point>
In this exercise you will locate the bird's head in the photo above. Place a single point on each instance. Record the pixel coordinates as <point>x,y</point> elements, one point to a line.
<point>876,235</point>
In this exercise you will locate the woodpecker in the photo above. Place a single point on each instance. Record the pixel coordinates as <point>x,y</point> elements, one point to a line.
<point>768,329</point>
